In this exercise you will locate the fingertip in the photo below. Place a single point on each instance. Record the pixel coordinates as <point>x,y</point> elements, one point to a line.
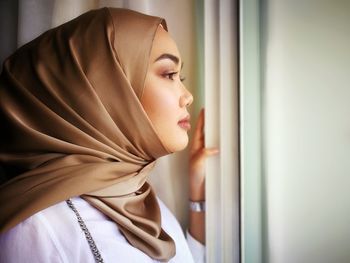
<point>216,152</point>
<point>212,151</point>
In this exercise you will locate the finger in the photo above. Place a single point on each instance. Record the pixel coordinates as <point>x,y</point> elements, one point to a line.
<point>211,151</point>
<point>198,136</point>
<point>201,155</point>
<point>200,124</point>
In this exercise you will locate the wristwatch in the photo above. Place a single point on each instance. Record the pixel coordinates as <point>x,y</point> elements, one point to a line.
<point>197,206</point>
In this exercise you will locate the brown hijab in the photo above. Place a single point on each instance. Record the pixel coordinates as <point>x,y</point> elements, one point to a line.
<point>72,125</point>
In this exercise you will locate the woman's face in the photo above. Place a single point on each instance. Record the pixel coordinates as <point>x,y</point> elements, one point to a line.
<point>165,98</point>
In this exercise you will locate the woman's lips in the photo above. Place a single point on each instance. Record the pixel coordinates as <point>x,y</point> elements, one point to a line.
<point>185,123</point>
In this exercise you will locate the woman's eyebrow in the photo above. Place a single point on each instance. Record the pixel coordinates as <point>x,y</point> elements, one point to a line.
<point>175,59</point>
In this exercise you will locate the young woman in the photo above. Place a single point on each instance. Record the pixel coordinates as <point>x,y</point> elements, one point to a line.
<point>85,111</point>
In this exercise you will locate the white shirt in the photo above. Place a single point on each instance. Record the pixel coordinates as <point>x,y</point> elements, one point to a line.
<point>54,235</point>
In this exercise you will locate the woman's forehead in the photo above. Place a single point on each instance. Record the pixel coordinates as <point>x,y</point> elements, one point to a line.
<point>163,44</point>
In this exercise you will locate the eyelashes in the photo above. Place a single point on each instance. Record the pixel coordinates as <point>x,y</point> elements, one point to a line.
<point>172,75</point>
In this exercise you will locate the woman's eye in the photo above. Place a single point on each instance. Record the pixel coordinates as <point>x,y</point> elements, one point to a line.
<point>170,75</point>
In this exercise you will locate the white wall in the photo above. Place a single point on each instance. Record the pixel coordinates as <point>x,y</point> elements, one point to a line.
<point>306,133</point>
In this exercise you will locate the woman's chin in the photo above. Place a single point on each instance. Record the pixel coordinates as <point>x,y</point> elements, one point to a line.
<point>179,144</point>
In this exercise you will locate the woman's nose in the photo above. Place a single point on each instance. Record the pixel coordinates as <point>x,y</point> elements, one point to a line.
<point>186,98</point>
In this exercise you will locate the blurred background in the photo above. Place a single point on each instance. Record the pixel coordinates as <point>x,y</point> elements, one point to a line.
<point>295,91</point>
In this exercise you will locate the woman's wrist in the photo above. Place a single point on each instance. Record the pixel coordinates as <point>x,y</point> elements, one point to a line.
<point>197,196</point>
<point>197,192</point>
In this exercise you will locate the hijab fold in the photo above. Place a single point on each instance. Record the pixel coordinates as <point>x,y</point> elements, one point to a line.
<point>72,125</point>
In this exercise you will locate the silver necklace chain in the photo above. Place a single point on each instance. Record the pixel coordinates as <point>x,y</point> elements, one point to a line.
<point>93,247</point>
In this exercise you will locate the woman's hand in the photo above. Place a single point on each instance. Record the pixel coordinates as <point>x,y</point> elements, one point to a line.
<point>198,154</point>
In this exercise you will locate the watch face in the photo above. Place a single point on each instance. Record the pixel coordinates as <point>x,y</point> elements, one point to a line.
<point>197,206</point>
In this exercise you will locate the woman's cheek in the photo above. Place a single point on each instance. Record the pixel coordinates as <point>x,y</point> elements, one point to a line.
<point>166,93</point>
